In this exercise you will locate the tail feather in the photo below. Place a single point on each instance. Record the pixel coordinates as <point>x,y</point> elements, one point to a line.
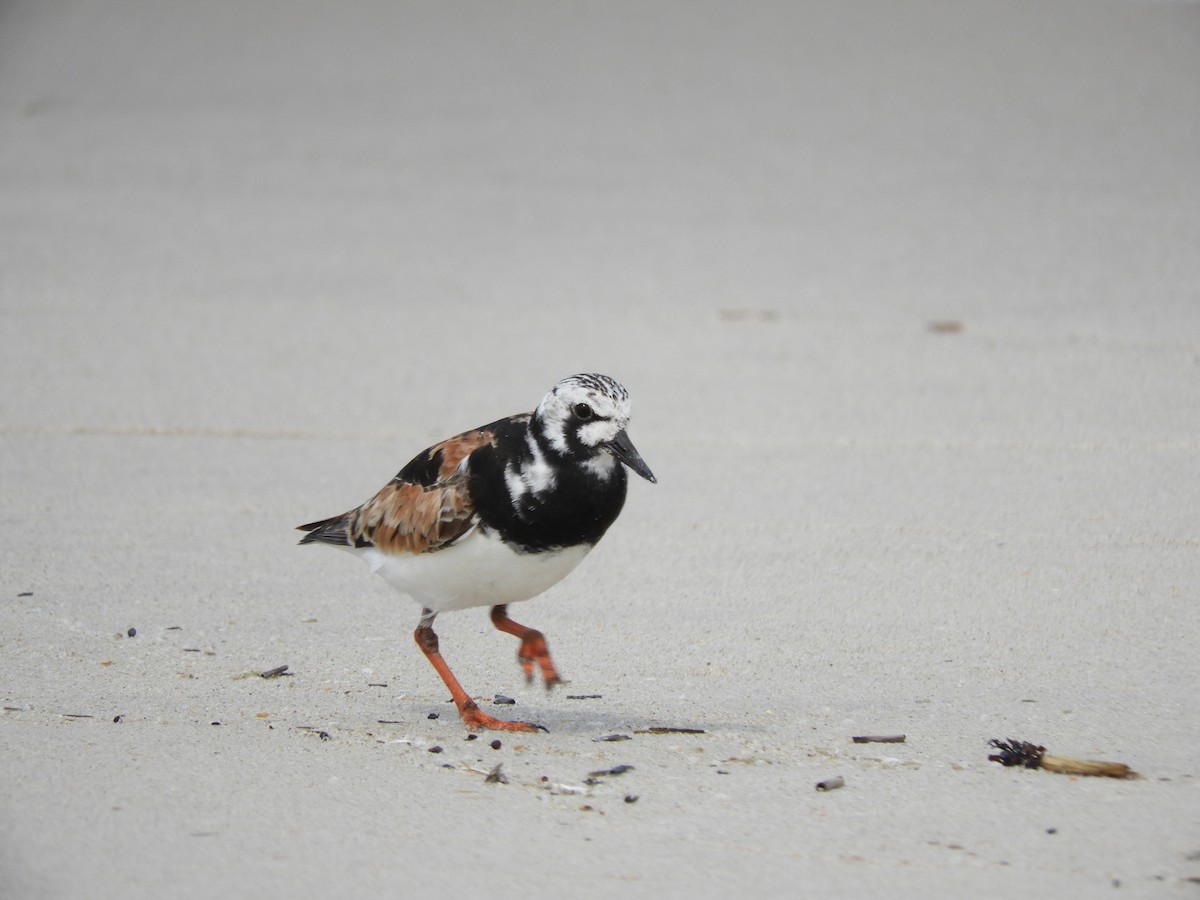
<point>335,530</point>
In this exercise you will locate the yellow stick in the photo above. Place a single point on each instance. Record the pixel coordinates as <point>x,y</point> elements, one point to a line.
<point>1068,766</point>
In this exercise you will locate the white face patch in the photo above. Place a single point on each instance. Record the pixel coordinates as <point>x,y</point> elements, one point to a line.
<point>555,418</point>
<point>607,401</point>
<point>600,431</point>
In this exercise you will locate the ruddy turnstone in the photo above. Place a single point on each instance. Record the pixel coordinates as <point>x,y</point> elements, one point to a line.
<point>497,515</point>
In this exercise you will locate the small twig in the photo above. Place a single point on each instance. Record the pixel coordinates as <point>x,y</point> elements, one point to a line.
<point>1034,756</point>
<point>615,770</point>
<point>668,729</point>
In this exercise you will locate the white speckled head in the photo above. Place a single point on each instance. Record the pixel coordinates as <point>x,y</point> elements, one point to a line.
<point>585,416</point>
<point>585,410</point>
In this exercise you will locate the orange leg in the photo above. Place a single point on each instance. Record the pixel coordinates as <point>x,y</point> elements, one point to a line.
<point>533,647</point>
<point>473,717</point>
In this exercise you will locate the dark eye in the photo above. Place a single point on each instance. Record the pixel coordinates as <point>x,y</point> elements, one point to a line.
<point>583,411</point>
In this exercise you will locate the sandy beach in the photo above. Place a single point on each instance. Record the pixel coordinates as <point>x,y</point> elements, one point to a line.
<point>907,297</point>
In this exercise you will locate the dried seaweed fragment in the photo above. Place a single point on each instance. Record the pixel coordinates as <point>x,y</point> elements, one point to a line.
<point>1034,756</point>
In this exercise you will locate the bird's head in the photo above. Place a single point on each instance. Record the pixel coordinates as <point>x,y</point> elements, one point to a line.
<point>584,417</point>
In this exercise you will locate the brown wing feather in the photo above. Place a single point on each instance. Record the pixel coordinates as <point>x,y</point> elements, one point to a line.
<point>409,518</point>
<point>425,507</point>
<point>454,450</point>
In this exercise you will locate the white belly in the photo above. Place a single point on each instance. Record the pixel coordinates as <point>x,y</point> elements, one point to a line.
<point>480,570</point>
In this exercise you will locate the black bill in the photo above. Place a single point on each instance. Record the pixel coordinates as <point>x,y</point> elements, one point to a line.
<point>622,448</point>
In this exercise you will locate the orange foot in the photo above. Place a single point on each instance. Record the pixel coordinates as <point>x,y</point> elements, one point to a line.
<point>475,718</point>
<point>533,647</point>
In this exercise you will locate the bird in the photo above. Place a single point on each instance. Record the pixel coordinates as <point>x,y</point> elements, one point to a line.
<point>497,515</point>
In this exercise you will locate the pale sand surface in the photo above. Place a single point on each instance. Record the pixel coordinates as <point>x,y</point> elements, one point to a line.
<point>254,256</point>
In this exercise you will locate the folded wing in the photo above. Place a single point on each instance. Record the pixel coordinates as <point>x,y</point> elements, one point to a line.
<point>425,507</point>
